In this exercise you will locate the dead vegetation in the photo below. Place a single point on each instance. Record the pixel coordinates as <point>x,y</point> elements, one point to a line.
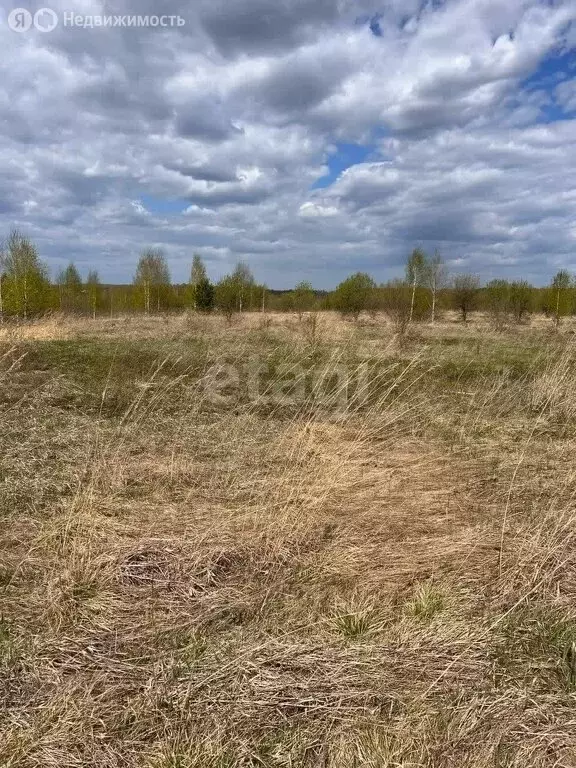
<point>294,578</point>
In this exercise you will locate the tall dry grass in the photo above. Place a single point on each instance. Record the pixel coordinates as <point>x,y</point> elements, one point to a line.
<point>189,582</point>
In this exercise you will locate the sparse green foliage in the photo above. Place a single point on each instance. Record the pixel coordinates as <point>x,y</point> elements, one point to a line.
<point>416,272</point>
<point>71,279</point>
<point>237,292</point>
<point>416,267</point>
<point>497,296</point>
<point>561,285</point>
<point>243,280</point>
<point>521,299</point>
<point>70,289</point>
<point>261,295</point>
<point>94,292</point>
<point>25,291</point>
<point>152,279</point>
<point>26,287</point>
<point>465,294</point>
<point>198,277</point>
<point>354,295</point>
<point>435,277</point>
<point>396,297</point>
<point>198,270</point>
<point>303,298</point>
<point>226,297</point>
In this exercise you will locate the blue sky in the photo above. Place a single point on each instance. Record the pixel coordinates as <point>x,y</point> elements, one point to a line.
<point>310,138</point>
<point>559,67</point>
<point>163,206</point>
<point>344,156</point>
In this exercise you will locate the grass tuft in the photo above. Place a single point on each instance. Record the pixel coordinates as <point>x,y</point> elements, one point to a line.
<point>428,600</point>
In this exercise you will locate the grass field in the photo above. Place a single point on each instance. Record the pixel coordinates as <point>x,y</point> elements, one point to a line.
<point>283,543</point>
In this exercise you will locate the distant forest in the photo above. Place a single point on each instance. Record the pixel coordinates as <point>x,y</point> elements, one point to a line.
<point>426,289</point>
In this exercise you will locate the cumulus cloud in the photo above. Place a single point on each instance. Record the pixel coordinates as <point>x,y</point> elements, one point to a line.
<point>313,210</point>
<point>213,136</point>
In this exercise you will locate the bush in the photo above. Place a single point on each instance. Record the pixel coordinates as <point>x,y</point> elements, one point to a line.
<point>355,295</point>
<point>204,295</point>
<point>465,294</point>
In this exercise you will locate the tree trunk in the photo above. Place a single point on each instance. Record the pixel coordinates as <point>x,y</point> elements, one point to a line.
<point>25,297</point>
<point>412,302</point>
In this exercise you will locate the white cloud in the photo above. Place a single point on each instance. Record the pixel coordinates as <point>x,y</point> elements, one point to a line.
<point>235,116</point>
<point>313,210</point>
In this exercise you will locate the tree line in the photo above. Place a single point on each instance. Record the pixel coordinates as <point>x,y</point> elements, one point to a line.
<point>426,289</point>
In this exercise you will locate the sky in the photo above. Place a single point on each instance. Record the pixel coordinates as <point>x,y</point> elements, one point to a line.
<point>310,138</point>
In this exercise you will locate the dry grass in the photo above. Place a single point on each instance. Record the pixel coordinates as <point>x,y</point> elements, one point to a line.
<point>191,582</point>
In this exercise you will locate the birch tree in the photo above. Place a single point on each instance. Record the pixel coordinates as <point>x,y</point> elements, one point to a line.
<point>93,291</point>
<point>415,274</point>
<point>561,284</point>
<point>152,277</point>
<point>198,277</point>
<point>435,276</point>
<point>70,287</point>
<point>243,279</point>
<point>26,277</point>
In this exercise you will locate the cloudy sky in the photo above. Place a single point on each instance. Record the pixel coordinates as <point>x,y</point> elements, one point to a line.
<point>310,138</point>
